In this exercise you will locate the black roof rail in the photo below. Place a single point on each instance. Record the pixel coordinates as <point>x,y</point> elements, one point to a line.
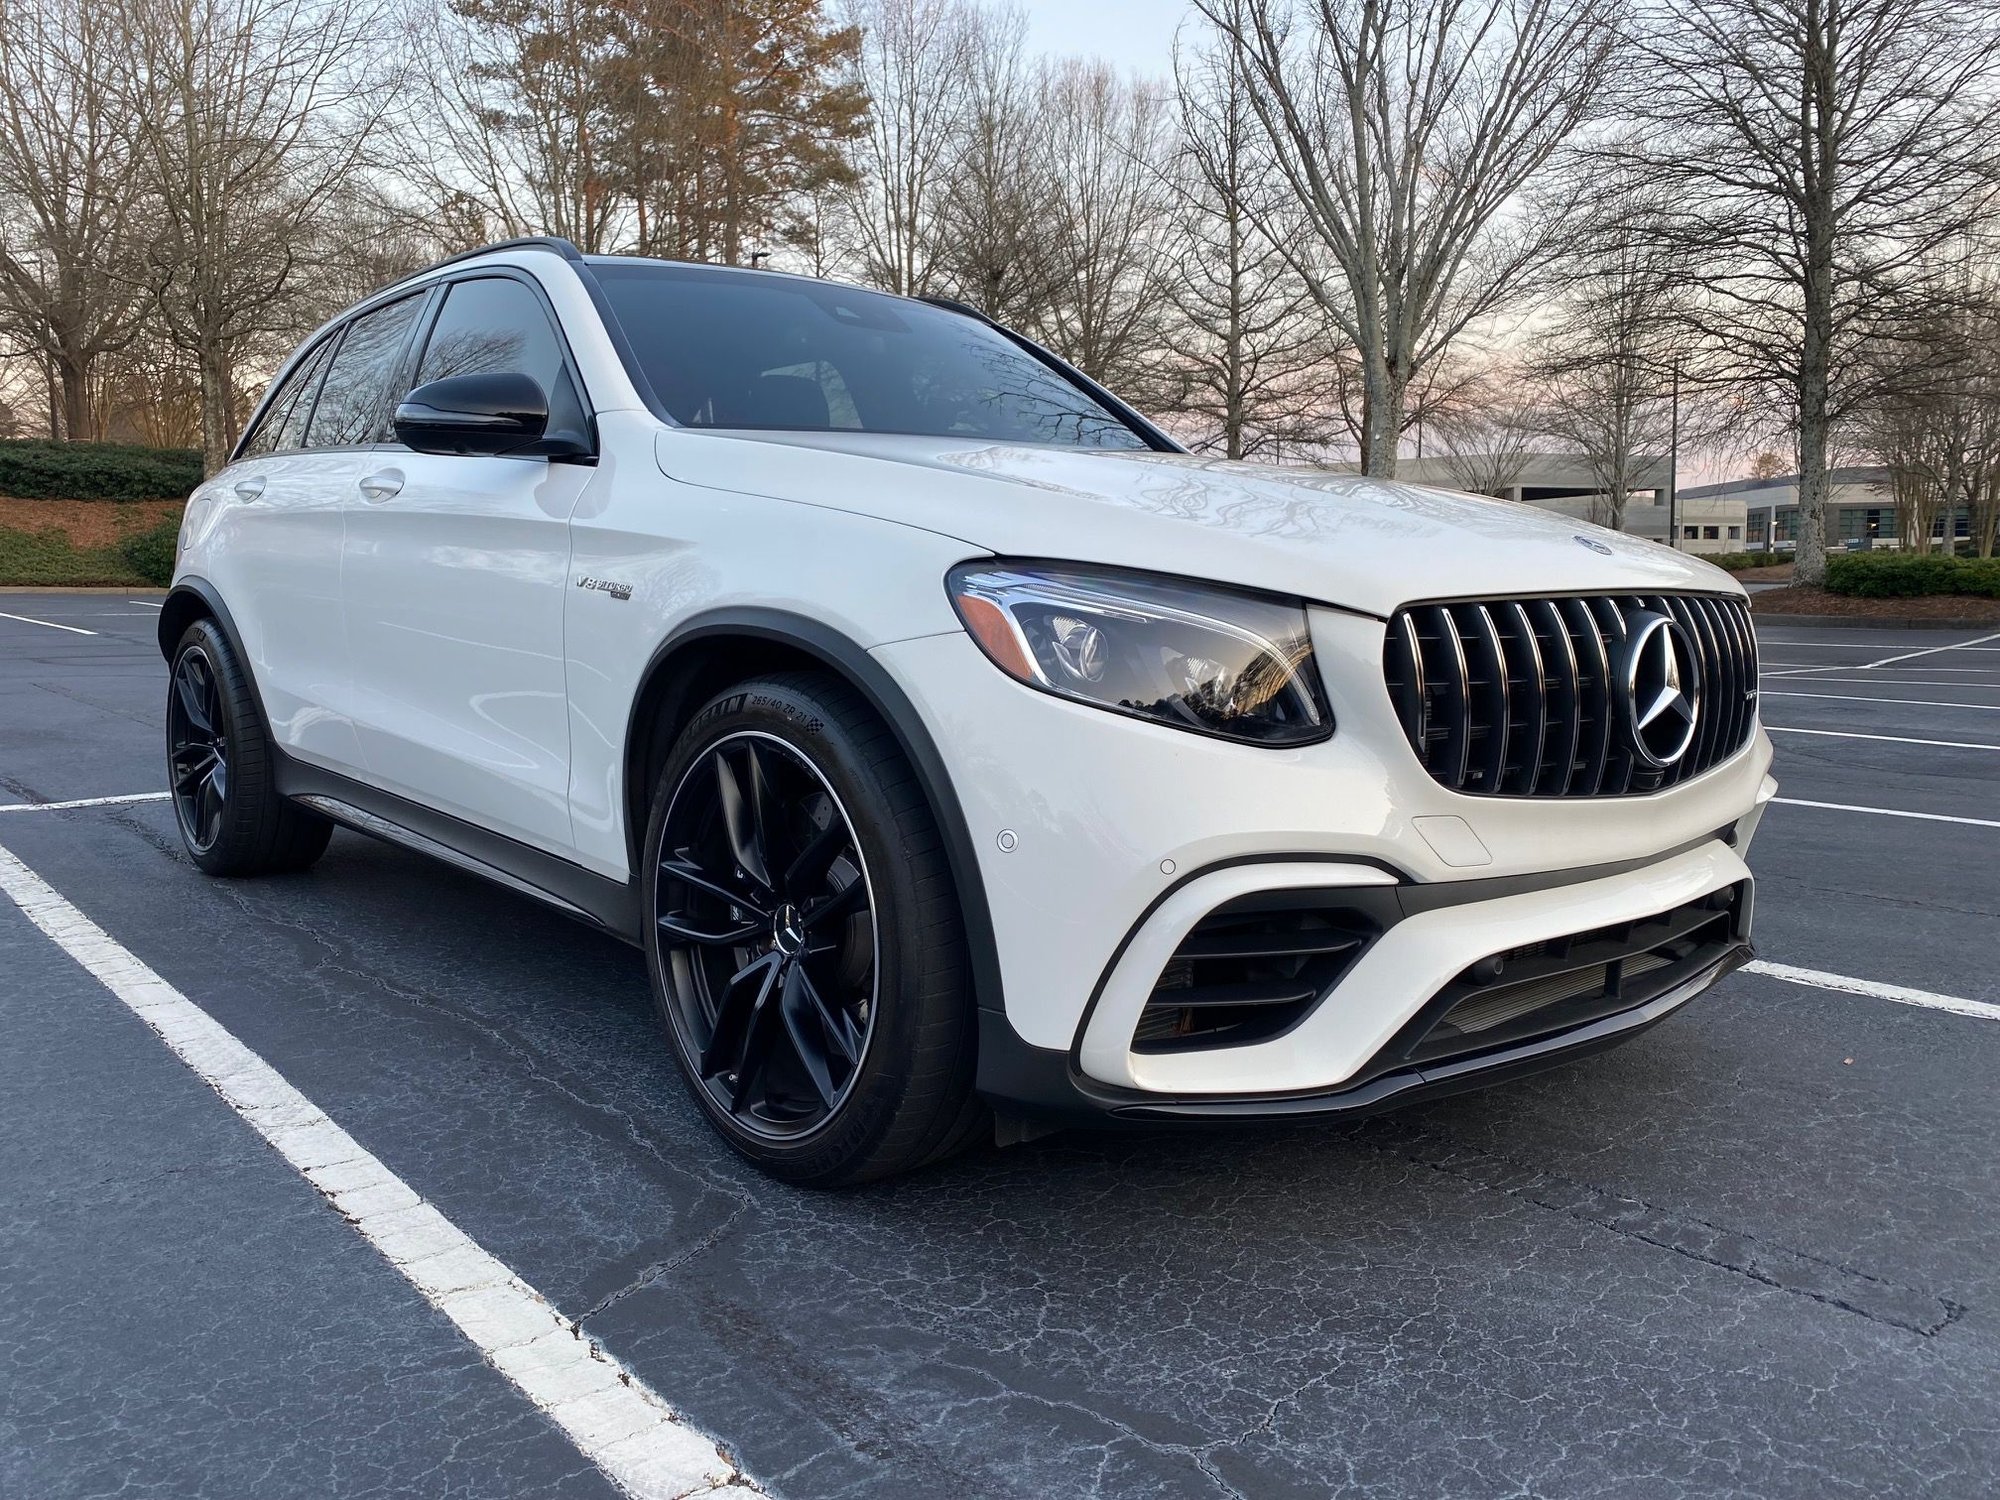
<point>548,242</point>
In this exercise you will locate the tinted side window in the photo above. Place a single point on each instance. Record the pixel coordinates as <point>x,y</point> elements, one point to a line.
<point>355,399</point>
<point>494,325</point>
<point>299,384</point>
<point>292,434</point>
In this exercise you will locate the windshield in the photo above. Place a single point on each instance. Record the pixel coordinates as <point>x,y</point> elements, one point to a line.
<point>755,350</point>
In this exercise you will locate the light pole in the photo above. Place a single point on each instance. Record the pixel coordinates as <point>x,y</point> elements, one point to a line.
<point>1674,460</point>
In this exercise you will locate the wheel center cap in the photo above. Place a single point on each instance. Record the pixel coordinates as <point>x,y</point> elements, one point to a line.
<point>789,938</point>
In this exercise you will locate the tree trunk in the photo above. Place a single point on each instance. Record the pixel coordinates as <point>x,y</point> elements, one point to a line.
<point>1816,345</point>
<point>1809,555</point>
<point>217,430</point>
<point>1382,391</point>
<point>77,423</point>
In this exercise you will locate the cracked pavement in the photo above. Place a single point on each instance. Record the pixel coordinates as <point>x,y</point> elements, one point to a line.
<point>1719,1261</point>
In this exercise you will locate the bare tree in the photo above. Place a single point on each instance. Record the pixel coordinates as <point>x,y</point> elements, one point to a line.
<point>1405,132</point>
<point>1106,142</point>
<point>69,199</point>
<point>1488,437</point>
<point>995,255</point>
<point>515,129</point>
<point>1250,346</point>
<point>249,117</point>
<point>1818,151</point>
<point>915,62</point>
<point>1933,421</point>
<point>1609,359</point>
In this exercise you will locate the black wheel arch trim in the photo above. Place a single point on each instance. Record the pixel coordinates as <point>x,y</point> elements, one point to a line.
<point>178,613</point>
<point>852,662</point>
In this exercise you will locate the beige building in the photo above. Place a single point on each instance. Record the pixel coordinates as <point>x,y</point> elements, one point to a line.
<point>1860,512</point>
<point>1563,482</point>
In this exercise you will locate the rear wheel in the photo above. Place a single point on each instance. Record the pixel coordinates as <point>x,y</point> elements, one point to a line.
<point>804,937</point>
<point>221,768</point>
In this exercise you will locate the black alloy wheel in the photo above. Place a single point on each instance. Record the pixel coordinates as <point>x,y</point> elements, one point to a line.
<point>766,935</point>
<point>222,768</point>
<point>198,749</point>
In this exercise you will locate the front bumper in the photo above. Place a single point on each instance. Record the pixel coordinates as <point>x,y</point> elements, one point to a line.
<point>1044,1085</point>
<point>1102,841</point>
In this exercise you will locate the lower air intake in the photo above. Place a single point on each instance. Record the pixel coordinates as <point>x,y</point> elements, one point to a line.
<point>1566,982</point>
<point>1250,970</point>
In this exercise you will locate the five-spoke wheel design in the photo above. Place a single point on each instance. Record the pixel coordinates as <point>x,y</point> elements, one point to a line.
<point>767,943</point>
<point>198,748</point>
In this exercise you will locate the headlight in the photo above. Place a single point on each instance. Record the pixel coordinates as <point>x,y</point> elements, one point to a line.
<point>1199,657</point>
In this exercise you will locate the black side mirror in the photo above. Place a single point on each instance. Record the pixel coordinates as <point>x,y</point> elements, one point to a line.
<point>503,412</point>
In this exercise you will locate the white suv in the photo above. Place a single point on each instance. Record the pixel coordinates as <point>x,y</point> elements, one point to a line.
<point>961,751</point>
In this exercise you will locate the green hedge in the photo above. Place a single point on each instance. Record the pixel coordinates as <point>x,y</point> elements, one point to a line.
<point>1902,575</point>
<point>49,559</point>
<point>40,469</point>
<point>1736,562</point>
<point>150,554</point>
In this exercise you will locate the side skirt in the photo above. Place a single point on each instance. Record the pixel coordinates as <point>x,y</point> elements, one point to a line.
<point>610,905</point>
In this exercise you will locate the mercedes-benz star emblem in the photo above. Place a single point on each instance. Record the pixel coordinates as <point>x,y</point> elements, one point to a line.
<point>1659,690</point>
<point>1592,543</point>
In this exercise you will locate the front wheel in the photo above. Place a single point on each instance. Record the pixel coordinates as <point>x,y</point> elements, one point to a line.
<point>804,937</point>
<point>221,768</point>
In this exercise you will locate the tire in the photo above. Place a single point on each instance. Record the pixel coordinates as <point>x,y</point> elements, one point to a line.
<point>221,768</point>
<point>804,938</point>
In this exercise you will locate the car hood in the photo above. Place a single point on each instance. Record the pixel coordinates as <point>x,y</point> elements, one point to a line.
<point>1362,544</point>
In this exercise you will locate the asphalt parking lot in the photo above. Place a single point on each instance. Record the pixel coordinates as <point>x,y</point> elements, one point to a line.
<point>1754,1252</point>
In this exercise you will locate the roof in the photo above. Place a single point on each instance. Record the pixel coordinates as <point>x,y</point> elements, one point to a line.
<point>1854,474</point>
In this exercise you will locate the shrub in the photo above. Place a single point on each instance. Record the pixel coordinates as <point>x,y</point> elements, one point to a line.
<point>50,560</point>
<point>41,469</point>
<point>1902,575</point>
<point>1736,562</point>
<point>150,554</point>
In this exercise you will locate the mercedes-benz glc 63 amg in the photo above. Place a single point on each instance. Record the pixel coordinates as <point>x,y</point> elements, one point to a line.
<point>966,756</point>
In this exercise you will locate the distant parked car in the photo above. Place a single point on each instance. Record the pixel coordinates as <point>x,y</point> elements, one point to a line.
<point>958,748</point>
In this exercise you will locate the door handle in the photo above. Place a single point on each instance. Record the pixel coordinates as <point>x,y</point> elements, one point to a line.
<point>383,485</point>
<point>249,489</point>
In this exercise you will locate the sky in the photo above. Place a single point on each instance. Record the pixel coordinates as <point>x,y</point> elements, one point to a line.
<point>1133,35</point>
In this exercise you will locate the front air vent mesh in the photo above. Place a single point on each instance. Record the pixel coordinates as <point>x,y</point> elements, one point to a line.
<point>1250,969</point>
<point>1517,697</point>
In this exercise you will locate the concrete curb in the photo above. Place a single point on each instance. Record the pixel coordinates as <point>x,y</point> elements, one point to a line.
<point>142,591</point>
<point>1868,622</point>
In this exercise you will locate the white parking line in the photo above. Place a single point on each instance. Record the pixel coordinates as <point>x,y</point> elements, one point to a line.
<point>613,1418</point>
<point>1888,812</point>
<point>1991,708</point>
<point>51,624</point>
<point>84,802</point>
<point>1978,640</point>
<point>148,603</point>
<point>1810,645</point>
<point>1893,739</point>
<point>1900,682</point>
<point>1819,979</point>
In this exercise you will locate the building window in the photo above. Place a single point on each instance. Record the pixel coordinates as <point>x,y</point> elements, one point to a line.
<point>1689,533</point>
<point>1712,533</point>
<point>1736,533</point>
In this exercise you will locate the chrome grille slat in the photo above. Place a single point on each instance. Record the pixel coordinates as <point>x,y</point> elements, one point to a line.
<point>1492,707</point>
<point>1567,700</point>
<point>1535,688</point>
<point>1518,697</point>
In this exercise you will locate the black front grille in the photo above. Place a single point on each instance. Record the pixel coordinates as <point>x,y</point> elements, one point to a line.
<point>1251,969</point>
<point>1517,697</point>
